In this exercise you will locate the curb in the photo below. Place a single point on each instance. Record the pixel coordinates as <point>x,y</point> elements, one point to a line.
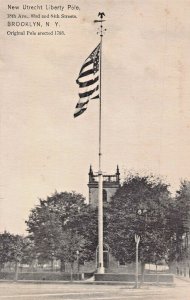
<point>130,285</point>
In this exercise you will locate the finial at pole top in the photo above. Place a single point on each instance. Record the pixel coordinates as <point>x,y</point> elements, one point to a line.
<point>101,30</point>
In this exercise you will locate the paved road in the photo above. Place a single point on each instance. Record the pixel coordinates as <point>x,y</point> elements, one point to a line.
<point>31,291</point>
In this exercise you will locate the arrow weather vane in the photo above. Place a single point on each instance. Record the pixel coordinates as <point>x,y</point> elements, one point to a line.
<point>101,30</point>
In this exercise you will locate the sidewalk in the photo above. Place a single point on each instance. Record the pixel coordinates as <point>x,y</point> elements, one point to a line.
<point>182,279</point>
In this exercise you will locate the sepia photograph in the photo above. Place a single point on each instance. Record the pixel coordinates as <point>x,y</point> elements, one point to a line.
<point>95,144</point>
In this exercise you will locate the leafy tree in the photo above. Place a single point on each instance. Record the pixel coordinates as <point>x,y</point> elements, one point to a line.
<point>15,249</point>
<point>7,248</point>
<point>179,223</point>
<point>140,206</point>
<point>10,248</point>
<point>183,204</point>
<point>54,227</point>
<point>86,224</point>
<point>28,253</point>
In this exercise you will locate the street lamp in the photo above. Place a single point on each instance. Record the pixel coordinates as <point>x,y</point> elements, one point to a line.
<point>140,212</point>
<point>137,240</point>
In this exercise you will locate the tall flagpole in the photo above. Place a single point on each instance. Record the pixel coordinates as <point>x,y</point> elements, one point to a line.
<point>100,176</point>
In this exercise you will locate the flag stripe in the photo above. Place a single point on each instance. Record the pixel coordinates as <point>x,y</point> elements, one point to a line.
<point>96,97</point>
<point>86,64</point>
<point>88,83</point>
<point>87,78</point>
<point>81,104</point>
<point>86,89</point>
<point>88,93</point>
<point>78,113</point>
<point>85,73</point>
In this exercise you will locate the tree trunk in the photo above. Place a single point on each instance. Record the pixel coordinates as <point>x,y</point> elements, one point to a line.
<point>172,267</point>
<point>1,266</point>
<point>52,264</point>
<point>142,272</point>
<point>21,268</point>
<point>157,281</point>
<point>16,270</point>
<point>72,271</point>
<point>62,267</point>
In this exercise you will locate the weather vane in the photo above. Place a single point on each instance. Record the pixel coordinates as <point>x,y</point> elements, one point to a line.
<point>101,30</point>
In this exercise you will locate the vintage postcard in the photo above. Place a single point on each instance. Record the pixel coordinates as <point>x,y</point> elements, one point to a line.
<point>93,92</point>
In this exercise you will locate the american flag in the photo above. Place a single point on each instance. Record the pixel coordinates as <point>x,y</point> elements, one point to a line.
<point>88,81</point>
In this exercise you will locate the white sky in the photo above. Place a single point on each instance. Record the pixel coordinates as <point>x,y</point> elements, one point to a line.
<point>146,106</point>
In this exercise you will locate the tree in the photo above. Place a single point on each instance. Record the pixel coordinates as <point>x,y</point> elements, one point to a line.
<point>140,206</point>
<point>183,204</point>
<point>7,248</point>
<point>28,253</point>
<point>54,227</point>
<point>15,249</point>
<point>179,223</point>
<point>86,224</point>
